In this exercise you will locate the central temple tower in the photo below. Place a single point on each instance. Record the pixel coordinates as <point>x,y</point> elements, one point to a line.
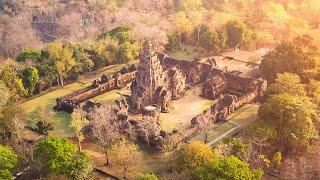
<point>152,85</point>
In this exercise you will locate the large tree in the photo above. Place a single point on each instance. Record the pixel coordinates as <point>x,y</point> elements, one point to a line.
<point>237,33</point>
<point>182,24</point>
<point>300,56</point>
<point>61,59</point>
<point>9,74</point>
<point>313,91</point>
<point>287,83</point>
<point>106,128</point>
<point>79,121</point>
<point>12,121</point>
<point>125,154</point>
<point>293,117</point>
<point>60,156</point>
<point>231,168</point>
<point>30,79</point>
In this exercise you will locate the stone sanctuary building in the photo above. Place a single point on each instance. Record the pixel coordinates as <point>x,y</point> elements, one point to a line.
<point>154,85</point>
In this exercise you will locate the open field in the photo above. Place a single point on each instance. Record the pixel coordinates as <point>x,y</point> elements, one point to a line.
<point>63,119</point>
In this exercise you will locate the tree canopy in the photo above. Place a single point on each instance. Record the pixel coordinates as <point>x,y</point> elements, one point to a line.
<point>294,118</point>
<point>60,156</point>
<point>192,156</point>
<point>299,56</point>
<point>230,168</point>
<point>8,160</point>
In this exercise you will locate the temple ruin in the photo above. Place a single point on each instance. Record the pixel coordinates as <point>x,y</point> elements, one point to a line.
<point>158,80</point>
<point>154,85</point>
<point>105,84</point>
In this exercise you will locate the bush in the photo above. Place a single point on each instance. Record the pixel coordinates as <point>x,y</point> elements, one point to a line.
<point>8,160</point>
<point>173,44</point>
<point>147,176</point>
<point>34,54</point>
<point>194,155</point>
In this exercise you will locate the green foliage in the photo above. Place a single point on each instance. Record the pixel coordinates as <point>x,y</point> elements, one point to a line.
<point>294,118</point>
<point>61,58</point>
<point>5,94</point>
<point>194,155</point>
<point>236,31</point>
<point>182,24</point>
<point>83,61</point>
<point>119,33</point>
<point>30,79</point>
<point>209,39</point>
<point>313,91</point>
<point>127,52</point>
<point>10,76</point>
<point>299,56</point>
<point>44,119</point>
<point>231,168</point>
<point>277,158</point>
<point>287,83</point>
<point>212,39</point>
<point>237,148</point>
<point>147,176</point>
<point>190,5</point>
<point>8,160</point>
<point>60,156</point>
<point>12,121</point>
<point>79,121</point>
<point>33,54</point>
<point>124,51</point>
<point>173,43</point>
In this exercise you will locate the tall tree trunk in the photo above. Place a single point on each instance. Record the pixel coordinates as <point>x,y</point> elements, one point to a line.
<point>79,145</point>
<point>180,38</point>
<point>107,156</point>
<point>198,40</point>
<point>61,81</point>
<point>124,173</point>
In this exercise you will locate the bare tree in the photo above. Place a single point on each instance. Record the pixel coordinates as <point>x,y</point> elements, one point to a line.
<point>106,127</point>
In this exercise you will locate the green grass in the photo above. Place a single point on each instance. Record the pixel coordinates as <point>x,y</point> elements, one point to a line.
<point>110,97</point>
<point>215,132</point>
<point>245,115</point>
<point>63,119</point>
<point>188,53</point>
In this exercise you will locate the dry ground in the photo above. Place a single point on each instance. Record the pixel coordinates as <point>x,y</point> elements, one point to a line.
<point>189,106</point>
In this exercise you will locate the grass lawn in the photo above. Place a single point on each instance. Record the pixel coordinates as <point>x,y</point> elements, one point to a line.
<point>214,133</point>
<point>245,115</point>
<point>188,53</point>
<point>48,100</point>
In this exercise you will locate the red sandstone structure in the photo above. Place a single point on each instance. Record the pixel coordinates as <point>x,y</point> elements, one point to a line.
<point>160,79</point>
<point>105,84</point>
<point>154,85</point>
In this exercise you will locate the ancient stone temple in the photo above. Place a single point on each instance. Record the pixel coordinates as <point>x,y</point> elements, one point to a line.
<point>153,85</point>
